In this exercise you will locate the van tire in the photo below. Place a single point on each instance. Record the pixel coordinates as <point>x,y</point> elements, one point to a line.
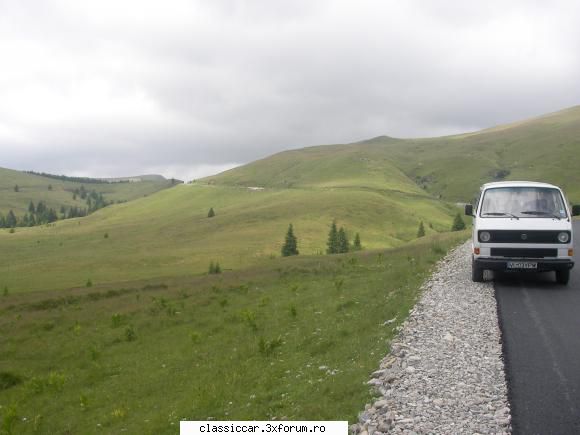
<point>476,272</point>
<point>563,276</point>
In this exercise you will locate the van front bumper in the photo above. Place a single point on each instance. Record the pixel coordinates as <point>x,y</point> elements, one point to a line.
<point>544,265</point>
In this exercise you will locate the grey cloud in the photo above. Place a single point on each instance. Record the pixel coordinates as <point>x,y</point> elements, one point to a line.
<point>198,86</point>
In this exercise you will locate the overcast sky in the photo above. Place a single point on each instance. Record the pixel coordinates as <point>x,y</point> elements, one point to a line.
<point>189,88</point>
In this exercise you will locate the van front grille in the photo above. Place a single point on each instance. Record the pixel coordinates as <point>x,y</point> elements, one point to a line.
<point>522,236</point>
<point>523,252</point>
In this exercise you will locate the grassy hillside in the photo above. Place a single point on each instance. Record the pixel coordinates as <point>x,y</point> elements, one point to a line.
<point>546,148</point>
<point>36,188</point>
<point>293,338</point>
<point>169,233</point>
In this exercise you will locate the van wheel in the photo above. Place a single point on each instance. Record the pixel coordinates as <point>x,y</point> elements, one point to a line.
<point>563,276</point>
<point>476,272</point>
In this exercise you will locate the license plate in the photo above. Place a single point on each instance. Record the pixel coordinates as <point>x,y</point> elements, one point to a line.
<point>522,265</point>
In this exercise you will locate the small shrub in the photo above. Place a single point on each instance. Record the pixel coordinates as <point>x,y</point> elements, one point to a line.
<point>267,347</point>
<point>436,248</point>
<point>119,413</point>
<point>106,236</point>
<point>249,318</point>
<point>83,402</point>
<point>117,320</point>
<point>94,353</point>
<point>89,283</point>
<point>211,213</point>
<point>48,326</point>
<point>9,419</point>
<point>130,334</point>
<point>293,311</point>
<point>214,268</point>
<point>54,381</point>
<point>338,284</point>
<point>195,337</point>
<point>8,380</point>
<point>223,303</point>
<point>12,231</point>
<point>5,291</point>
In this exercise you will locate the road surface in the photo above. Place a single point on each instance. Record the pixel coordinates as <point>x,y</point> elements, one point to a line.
<point>540,323</point>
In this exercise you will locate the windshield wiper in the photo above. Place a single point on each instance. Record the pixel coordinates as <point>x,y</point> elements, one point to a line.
<point>500,213</point>
<point>538,212</point>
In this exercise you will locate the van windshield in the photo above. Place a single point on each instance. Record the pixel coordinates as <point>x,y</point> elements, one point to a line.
<point>518,202</point>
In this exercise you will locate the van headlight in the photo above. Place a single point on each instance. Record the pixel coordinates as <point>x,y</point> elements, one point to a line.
<point>484,236</point>
<point>563,237</point>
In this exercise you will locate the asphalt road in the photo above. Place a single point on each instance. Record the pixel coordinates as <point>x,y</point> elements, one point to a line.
<point>540,322</point>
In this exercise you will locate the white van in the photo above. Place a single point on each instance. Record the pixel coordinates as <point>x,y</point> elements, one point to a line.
<point>521,226</point>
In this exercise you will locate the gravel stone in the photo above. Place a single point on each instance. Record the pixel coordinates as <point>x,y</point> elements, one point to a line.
<point>445,373</point>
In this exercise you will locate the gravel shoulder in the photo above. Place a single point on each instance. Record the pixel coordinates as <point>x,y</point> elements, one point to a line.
<point>445,372</point>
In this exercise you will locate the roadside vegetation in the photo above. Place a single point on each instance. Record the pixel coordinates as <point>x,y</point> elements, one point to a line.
<point>293,338</point>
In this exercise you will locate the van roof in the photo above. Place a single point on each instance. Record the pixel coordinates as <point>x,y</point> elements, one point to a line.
<point>517,184</point>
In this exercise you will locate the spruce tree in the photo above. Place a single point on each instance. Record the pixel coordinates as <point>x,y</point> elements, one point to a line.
<point>357,245</point>
<point>2,221</point>
<point>210,213</point>
<point>31,208</point>
<point>16,188</point>
<point>290,244</point>
<point>332,243</point>
<point>458,223</point>
<point>342,240</point>
<point>421,230</point>
<point>10,220</point>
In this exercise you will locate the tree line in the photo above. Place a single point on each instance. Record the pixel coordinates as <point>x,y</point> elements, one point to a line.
<point>86,180</point>
<point>40,213</point>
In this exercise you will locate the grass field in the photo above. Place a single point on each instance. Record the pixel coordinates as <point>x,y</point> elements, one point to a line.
<point>169,234</point>
<point>35,188</point>
<point>293,338</point>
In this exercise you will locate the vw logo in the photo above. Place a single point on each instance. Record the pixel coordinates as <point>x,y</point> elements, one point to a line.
<point>524,236</point>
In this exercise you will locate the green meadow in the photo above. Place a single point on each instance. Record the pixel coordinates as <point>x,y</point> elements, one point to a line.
<point>294,338</point>
<point>169,233</point>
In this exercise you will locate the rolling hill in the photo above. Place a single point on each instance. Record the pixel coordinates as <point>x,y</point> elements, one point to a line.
<point>381,188</point>
<point>545,148</point>
<point>35,188</point>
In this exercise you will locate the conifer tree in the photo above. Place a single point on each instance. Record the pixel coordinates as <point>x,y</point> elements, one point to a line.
<point>290,244</point>
<point>342,241</point>
<point>2,221</point>
<point>458,223</point>
<point>16,188</point>
<point>357,245</point>
<point>332,243</point>
<point>31,208</point>
<point>421,230</point>
<point>210,213</point>
<point>11,220</point>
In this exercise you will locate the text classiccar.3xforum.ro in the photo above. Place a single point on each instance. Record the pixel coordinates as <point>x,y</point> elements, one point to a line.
<point>255,428</point>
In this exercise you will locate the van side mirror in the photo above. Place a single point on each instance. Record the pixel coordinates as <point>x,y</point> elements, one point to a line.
<point>576,210</point>
<point>469,210</point>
